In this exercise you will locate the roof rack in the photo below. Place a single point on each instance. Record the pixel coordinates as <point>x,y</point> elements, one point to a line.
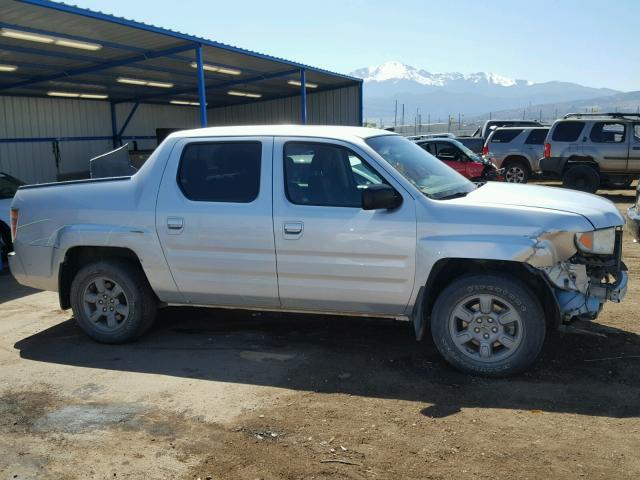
<point>612,114</point>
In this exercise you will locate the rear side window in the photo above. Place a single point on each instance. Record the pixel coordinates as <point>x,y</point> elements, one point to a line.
<point>567,131</point>
<point>536,137</point>
<point>221,171</point>
<point>504,136</point>
<point>636,132</point>
<point>607,132</point>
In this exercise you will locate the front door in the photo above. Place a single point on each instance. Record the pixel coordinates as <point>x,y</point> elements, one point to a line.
<point>451,156</point>
<point>214,220</point>
<point>333,255</point>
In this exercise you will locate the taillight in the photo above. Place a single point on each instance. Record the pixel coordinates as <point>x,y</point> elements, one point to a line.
<point>485,150</point>
<point>14,223</point>
<point>547,150</point>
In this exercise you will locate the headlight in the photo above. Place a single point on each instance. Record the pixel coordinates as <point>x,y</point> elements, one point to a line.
<point>598,242</point>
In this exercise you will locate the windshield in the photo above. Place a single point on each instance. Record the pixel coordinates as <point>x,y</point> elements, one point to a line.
<point>427,173</point>
<point>8,186</point>
<point>467,151</point>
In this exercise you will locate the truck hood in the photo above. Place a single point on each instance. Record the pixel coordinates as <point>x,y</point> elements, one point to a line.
<point>601,213</point>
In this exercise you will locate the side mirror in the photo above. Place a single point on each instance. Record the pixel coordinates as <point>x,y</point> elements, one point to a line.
<point>378,197</point>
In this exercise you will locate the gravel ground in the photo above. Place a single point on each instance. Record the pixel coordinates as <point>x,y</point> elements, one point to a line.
<point>237,395</point>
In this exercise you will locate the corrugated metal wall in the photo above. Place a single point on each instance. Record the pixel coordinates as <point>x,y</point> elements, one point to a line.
<point>149,117</point>
<point>331,107</point>
<point>25,117</point>
<point>34,162</point>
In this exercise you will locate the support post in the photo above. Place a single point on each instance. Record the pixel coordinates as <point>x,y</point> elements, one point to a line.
<point>114,126</point>
<point>202,94</point>
<point>128,119</point>
<point>303,96</point>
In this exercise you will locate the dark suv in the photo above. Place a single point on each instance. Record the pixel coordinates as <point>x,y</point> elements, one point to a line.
<point>587,151</point>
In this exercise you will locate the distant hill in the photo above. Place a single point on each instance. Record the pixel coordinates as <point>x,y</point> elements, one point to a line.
<point>443,94</point>
<point>621,102</point>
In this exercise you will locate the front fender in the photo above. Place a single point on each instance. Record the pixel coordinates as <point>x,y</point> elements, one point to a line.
<point>540,250</point>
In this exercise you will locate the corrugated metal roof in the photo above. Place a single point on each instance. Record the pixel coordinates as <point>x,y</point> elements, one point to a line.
<point>43,67</point>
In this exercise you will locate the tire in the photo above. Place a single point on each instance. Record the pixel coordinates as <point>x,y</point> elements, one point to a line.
<point>517,171</point>
<point>128,303</point>
<point>482,344</point>
<point>581,177</point>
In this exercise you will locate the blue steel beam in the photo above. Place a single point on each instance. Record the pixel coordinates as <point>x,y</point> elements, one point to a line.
<point>86,58</point>
<point>303,96</point>
<point>128,119</point>
<point>212,86</point>
<point>100,66</point>
<point>114,126</point>
<point>202,93</point>
<point>61,7</point>
<point>71,139</point>
<point>361,109</point>
<point>104,43</point>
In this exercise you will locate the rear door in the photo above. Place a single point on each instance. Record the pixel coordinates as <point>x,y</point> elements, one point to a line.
<point>610,144</point>
<point>333,255</point>
<point>634,149</point>
<point>214,220</point>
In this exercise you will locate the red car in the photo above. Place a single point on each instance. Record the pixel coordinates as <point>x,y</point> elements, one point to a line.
<point>461,159</point>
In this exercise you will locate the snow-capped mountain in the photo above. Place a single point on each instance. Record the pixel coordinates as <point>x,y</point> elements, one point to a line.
<point>442,94</point>
<point>396,71</point>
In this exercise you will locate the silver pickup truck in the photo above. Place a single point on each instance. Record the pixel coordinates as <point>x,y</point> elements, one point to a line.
<point>339,220</point>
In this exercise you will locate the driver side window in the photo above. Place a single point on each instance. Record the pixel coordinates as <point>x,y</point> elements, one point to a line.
<point>325,175</point>
<point>447,152</point>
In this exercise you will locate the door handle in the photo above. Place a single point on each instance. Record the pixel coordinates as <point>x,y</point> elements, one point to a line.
<point>635,148</point>
<point>292,229</point>
<point>175,223</point>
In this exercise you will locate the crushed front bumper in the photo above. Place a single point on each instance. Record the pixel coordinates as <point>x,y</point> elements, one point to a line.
<point>585,283</point>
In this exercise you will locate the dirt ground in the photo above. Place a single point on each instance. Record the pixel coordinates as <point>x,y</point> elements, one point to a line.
<point>215,394</point>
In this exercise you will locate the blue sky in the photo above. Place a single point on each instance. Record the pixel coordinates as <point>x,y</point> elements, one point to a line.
<point>592,42</point>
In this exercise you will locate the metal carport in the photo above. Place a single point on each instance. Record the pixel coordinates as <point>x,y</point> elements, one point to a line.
<point>75,82</point>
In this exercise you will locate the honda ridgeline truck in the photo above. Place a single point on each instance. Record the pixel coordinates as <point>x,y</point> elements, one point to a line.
<point>339,220</point>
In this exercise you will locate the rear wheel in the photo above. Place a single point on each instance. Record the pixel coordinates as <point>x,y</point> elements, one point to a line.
<point>517,171</point>
<point>581,177</point>
<point>488,325</point>
<point>112,301</point>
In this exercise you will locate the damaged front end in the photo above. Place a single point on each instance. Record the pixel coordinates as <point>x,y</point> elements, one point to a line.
<point>584,282</point>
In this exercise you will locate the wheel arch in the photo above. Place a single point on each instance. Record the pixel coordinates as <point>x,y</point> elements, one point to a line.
<point>575,160</point>
<point>517,158</point>
<point>77,257</point>
<point>446,270</point>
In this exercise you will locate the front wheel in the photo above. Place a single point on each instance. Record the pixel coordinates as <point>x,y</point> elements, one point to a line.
<point>112,301</point>
<point>488,325</point>
<point>581,177</point>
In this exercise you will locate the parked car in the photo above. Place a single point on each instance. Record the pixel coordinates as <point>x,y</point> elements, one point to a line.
<point>517,150</point>
<point>339,220</point>
<point>476,141</point>
<point>455,155</point>
<point>587,151</point>
<point>8,187</point>
<point>633,216</point>
<point>428,136</point>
